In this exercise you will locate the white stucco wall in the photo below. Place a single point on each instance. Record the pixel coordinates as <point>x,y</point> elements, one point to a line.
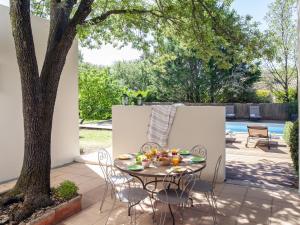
<point>65,141</point>
<point>192,125</point>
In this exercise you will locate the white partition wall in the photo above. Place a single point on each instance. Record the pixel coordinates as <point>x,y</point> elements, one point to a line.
<point>65,141</point>
<point>192,125</point>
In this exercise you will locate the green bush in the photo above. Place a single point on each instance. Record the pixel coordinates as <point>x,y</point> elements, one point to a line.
<point>280,95</point>
<point>287,131</point>
<point>294,147</point>
<point>66,190</point>
<point>263,96</point>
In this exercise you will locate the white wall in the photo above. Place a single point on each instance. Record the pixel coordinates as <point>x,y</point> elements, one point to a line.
<point>65,141</point>
<point>192,125</point>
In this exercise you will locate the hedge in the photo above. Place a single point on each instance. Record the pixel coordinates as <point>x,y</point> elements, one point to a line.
<point>287,131</point>
<point>294,147</point>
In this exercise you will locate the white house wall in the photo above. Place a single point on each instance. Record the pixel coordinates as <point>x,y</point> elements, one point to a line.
<point>65,141</point>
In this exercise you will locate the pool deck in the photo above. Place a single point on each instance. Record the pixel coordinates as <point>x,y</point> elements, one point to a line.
<point>259,166</point>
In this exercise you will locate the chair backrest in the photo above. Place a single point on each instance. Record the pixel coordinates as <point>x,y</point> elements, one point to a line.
<point>148,146</point>
<point>216,173</point>
<point>182,183</point>
<point>254,110</point>
<point>258,131</point>
<point>199,150</point>
<point>106,164</point>
<point>229,109</point>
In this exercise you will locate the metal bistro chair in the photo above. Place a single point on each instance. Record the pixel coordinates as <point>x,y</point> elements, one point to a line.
<point>175,191</point>
<point>199,150</point>
<point>133,194</point>
<point>148,146</point>
<point>130,191</point>
<point>208,189</point>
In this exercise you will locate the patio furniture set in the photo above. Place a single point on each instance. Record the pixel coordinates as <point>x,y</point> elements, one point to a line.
<point>170,177</point>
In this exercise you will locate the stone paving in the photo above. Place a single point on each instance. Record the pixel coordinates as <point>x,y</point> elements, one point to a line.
<point>237,204</point>
<point>260,166</point>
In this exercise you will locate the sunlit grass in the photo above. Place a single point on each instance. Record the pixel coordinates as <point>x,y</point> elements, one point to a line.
<point>93,139</point>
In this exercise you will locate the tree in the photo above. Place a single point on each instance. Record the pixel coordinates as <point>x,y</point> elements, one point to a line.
<point>282,35</point>
<point>233,84</point>
<point>133,75</point>
<point>183,76</point>
<point>201,24</point>
<point>97,92</point>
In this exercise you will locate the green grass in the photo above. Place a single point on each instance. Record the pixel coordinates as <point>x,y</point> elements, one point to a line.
<point>92,121</point>
<point>93,139</point>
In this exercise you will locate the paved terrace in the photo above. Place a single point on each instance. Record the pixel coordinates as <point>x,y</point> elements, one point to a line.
<point>260,166</point>
<point>237,204</point>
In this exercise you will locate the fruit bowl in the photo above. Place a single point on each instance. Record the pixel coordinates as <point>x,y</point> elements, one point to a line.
<point>163,161</point>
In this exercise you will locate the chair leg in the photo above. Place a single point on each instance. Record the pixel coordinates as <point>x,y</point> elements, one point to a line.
<point>214,198</point>
<point>103,197</point>
<point>111,210</point>
<point>153,210</point>
<point>211,207</point>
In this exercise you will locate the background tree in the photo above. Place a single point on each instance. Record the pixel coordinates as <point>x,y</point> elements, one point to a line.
<point>282,36</point>
<point>97,92</point>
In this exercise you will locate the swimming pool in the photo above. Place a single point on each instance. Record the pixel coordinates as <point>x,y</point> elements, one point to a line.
<point>241,127</point>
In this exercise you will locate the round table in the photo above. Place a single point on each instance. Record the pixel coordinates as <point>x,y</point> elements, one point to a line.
<point>157,172</point>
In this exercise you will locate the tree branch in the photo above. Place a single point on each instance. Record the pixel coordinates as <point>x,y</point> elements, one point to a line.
<point>24,45</point>
<point>105,15</point>
<point>84,9</point>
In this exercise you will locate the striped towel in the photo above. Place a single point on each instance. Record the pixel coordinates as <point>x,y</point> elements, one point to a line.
<point>161,120</point>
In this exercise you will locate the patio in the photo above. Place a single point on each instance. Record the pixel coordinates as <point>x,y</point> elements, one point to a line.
<point>260,166</point>
<point>237,204</point>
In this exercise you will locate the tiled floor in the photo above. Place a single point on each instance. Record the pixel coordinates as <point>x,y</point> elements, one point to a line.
<point>237,204</point>
<point>262,166</point>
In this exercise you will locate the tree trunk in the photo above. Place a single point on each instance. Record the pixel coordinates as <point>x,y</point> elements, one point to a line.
<point>34,180</point>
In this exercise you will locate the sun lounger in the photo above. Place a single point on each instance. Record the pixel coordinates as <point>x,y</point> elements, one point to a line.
<point>230,112</point>
<point>254,112</point>
<point>259,133</point>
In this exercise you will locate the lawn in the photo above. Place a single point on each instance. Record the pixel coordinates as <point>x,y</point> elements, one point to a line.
<point>90,140</point>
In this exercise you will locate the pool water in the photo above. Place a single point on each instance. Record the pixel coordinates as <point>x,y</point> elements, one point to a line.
<point>241,127</point>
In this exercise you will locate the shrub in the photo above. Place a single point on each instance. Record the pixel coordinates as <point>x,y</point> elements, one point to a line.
<point>263,96</point>
<point>294,147</point>
<point>66,190</point>
<point>287,131</point>
<point>280,95</point>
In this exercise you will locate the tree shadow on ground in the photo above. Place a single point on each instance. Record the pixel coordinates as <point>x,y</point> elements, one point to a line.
<point>264,172</point>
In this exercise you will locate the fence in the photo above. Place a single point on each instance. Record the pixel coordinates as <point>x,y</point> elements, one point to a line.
<point>268,111</point>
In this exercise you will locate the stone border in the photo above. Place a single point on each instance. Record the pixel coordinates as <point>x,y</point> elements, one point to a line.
<point>59,213</point>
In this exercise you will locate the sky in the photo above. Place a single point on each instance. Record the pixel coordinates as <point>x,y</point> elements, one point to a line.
<point>107,55</point>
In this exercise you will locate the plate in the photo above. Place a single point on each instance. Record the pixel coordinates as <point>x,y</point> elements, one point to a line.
<point>125,156</point>
<point>178,169</point>
<point>135,167</point>
<point>184,152</point>
<point>197,159</point>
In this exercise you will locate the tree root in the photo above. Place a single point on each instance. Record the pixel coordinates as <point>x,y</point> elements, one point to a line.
<point>10,197</point>
<point>29,206</point>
